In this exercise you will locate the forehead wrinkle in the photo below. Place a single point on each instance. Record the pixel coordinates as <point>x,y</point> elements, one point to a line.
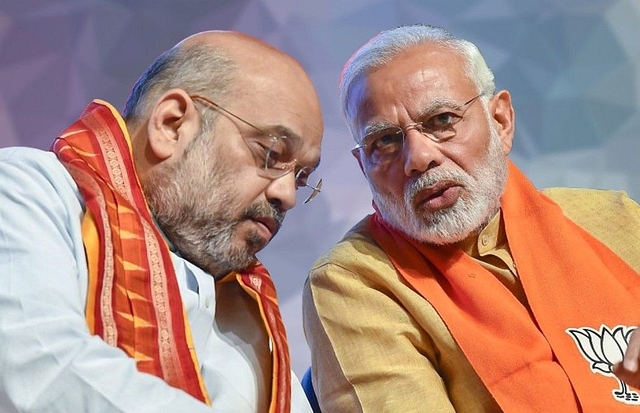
<point>432,107</point>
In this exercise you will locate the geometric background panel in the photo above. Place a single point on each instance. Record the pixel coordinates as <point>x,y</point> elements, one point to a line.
<point>572,68</point>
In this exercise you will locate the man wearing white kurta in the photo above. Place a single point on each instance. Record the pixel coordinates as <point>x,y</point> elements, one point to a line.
<point>49,359</point>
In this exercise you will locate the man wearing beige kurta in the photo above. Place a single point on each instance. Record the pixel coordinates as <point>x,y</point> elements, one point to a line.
<point>440,180</point>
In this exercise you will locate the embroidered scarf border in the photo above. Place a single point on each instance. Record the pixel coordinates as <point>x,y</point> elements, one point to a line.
<point>134,301</point>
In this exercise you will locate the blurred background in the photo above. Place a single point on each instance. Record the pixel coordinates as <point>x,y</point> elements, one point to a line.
<point>572,66</point>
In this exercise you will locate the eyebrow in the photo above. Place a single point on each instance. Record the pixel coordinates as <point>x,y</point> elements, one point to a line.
<point>433,106</point>
<point>281,130</point>
<point>377,127</point>
<point>437,104</point>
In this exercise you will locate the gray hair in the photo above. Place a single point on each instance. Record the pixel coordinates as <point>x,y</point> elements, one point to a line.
<point>383,47</point>
<point>197,69</point>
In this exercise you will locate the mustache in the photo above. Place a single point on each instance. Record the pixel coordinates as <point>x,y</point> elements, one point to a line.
<point>265,209</point>
<point>432,177</point>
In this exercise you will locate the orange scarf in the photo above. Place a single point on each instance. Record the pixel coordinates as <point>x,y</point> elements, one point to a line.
<point>528,358</point>
<point>134,301</point>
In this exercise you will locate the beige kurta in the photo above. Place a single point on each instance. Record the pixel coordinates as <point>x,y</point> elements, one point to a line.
<point>378,346</point>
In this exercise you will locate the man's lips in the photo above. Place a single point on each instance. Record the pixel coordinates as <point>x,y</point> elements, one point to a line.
<point>267,226</point>
<point>443,194</point>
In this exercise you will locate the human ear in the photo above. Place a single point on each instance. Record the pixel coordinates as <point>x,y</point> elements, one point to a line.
<point>504,119</point>
<point>173,121</point>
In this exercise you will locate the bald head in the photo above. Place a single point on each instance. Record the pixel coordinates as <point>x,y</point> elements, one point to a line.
<point>256,64</point>
<point>236,71</point>
<point>208,63</point>
<point>232,43</point>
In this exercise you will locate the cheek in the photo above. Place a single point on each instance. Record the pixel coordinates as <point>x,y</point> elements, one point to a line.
<point>246,186</point>
<point>389,181</point>
<point>467,155</point>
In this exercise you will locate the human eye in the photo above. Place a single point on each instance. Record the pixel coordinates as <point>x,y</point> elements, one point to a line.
<point>441,121</point>
<point>260,149</point>
<point>440,126</point>
<point>385,143</point>
<point>274,151</point>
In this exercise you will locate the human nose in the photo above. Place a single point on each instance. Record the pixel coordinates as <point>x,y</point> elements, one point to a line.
<point>420,153</point>
<point>282,191</point>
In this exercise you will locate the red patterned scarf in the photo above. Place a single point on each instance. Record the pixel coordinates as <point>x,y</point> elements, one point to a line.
<point>257,282</point>
<point>134,302</point>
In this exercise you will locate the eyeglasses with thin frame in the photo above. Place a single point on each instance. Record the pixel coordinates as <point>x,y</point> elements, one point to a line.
<point>268,148</point>
<point>385,145</point>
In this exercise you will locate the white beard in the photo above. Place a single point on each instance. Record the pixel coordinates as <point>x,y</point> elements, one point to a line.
<point>470,214</point>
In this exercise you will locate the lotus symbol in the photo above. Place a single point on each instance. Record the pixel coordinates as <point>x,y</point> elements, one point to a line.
<point>603,349</point>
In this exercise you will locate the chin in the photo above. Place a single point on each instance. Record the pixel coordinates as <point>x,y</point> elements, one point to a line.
<point>249,241</point>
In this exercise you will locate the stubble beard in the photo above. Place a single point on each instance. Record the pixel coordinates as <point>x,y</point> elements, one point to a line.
<point>192,201</point>
<point>468,216</point>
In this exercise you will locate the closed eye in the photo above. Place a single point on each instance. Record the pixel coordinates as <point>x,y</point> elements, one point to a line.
<point>272,149</point>
<point>260,150</point>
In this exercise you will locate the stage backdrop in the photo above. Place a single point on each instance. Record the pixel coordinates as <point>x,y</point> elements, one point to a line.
<point>572,67</point>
